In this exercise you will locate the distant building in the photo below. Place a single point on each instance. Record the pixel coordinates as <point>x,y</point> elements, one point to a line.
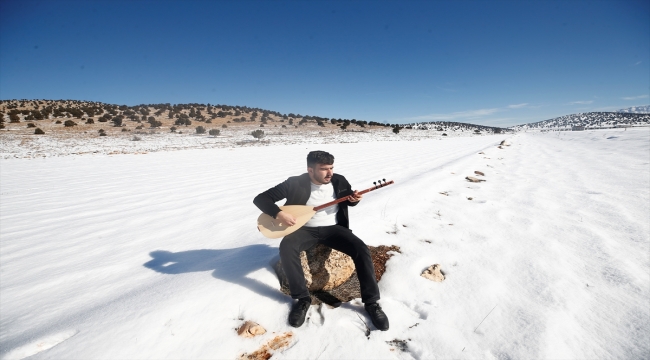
<point>577,128</point>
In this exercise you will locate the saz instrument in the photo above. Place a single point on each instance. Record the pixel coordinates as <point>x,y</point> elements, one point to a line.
<point>274,228</point>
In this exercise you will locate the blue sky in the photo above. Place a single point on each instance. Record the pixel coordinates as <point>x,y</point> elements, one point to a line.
<point>496,63</point>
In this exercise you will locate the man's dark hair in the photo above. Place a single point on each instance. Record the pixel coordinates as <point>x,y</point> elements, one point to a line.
<point>319,157</point>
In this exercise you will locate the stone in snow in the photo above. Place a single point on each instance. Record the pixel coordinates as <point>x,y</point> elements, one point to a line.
<point>250,329</point>
<point>433,273</point>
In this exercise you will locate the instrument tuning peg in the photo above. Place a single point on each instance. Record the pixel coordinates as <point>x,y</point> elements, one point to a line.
<point>384,181</point>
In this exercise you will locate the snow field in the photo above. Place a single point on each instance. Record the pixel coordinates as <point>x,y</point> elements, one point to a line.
<point>157,255</point>
<point>14,144</point>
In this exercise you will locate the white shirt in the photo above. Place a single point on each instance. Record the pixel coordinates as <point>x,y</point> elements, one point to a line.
<point>321,194</point>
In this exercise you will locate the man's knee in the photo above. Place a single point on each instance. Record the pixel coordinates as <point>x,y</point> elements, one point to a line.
<point>291,243</point>
<point>286,246</point>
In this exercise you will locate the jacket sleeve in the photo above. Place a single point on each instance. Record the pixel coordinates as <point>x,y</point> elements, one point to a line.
<point>266,200</point>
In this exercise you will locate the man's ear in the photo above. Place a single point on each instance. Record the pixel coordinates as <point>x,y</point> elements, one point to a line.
<point>310,171</point>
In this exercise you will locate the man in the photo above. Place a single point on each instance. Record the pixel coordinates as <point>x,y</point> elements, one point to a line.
<point>329,226</point>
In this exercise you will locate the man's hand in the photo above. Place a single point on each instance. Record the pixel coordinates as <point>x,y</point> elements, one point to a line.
<point>286,218</point>
<point>356,197</point>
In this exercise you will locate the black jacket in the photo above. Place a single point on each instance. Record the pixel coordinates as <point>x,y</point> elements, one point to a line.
<point>297,190</point>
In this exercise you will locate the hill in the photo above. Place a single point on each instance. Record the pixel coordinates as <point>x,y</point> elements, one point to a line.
<point>73,127</point>
<point>88,115</point>
<point>590,120</point>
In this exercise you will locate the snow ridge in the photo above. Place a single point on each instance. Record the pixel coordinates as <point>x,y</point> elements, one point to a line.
<point>644,109</point>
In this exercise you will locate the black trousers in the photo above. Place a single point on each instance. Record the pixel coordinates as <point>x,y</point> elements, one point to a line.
<point>338,238</point>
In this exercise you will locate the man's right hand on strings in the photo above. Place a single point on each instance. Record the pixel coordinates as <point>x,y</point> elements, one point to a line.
<point>286,218</point>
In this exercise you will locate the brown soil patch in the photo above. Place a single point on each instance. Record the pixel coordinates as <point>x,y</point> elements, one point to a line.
<point>380,256</point>
<point>277,344</point>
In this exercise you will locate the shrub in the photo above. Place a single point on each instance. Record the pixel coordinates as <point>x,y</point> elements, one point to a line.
<point>125,130</point>
<point>396,129</point>
<point>69,123</point>
<point>14,118</point>
<point>154,123</point>
<point>444,134</point>
<point>173,128</point>
<point>38,131</point>
<point>31,125</point>
<point>200,130</point>
<point>183,121</point>
<point>224,126</point>
<point>102,134</point>
<point>136,138</point>
<point>258,134</point>
<point>101,131</point>
<point>214,132</point>
<point>139,127</point>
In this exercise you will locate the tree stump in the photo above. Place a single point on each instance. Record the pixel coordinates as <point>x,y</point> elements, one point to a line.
<point>331,276</point>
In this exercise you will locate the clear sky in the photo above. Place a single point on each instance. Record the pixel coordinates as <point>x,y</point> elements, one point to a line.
<point>497,63</point>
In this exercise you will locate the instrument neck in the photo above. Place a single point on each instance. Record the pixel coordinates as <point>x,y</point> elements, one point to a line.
<point>346,198</point>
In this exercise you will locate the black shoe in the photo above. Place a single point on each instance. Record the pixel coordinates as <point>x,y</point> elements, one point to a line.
<point>378,317</point>
<point>298,312</point>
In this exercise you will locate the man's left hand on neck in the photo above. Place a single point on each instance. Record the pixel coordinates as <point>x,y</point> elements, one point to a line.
<point>356,197</point>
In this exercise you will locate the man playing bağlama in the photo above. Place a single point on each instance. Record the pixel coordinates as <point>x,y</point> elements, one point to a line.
<point>329,226</point>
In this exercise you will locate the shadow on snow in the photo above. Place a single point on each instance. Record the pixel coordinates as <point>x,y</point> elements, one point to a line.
<point>232,265</point>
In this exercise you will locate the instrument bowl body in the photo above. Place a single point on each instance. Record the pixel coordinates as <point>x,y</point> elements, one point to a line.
<point>274,229</point>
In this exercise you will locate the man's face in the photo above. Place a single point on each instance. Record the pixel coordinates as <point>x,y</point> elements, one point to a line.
<point>321,174</point>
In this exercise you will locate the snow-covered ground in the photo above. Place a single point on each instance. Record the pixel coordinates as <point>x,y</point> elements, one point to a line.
<point>157,255</point>
<point>15,144</point>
